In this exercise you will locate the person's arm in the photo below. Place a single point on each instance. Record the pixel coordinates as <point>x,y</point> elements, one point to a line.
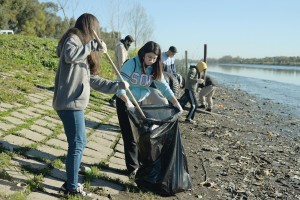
<point>126,72</point>
<point>75,51</point>
<point>103,85</point>
<point>174,69</point>
<point>164,87</point>
<point>173,66</point>
<point>127,101</point>
<point>176,104</point>
<point>166,91</point>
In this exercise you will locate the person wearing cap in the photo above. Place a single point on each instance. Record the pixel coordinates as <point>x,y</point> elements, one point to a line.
<point>192,81</point>
<point>121,55</point>
<point>169,60</point>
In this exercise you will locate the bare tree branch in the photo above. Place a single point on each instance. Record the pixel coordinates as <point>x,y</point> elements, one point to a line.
<point>139,24</point>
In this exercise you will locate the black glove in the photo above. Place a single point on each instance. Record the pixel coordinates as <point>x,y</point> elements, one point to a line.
<point>95,45</point>
<point>201,85</point>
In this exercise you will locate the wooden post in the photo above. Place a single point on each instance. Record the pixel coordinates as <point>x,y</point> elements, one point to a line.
<point>205,53</point>
<point>205,60</point>
<point>186,61</point>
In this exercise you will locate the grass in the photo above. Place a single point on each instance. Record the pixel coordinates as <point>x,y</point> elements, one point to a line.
<point>15,196</point>
<point>28,64</point>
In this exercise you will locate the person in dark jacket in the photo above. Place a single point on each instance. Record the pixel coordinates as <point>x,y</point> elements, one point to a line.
<point>192,81</point>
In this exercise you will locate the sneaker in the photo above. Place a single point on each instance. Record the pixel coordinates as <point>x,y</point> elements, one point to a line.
<point>78,192</point>
<point>208,109</point>
<point>112,102</point>
<point>201,106</point>
<point>132,174</point>
<point>190,121</point>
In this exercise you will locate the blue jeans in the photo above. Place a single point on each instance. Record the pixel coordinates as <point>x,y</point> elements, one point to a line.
<point>74,125</point>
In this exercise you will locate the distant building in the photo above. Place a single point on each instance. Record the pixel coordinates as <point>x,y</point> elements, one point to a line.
<point>6,32</point>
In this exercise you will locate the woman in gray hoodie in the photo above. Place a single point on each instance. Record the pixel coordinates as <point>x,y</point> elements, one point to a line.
<point>78,53</point>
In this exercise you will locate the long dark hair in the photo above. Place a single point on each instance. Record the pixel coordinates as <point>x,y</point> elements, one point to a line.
<point>152,47</point>
<point>83,28</point>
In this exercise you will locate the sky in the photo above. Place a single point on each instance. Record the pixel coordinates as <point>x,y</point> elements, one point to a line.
<point>248,29</point>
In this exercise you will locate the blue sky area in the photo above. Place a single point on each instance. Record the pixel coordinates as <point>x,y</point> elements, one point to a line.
<point>249,29</point>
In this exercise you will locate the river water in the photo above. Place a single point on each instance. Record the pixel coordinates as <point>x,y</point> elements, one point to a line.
<point>279,83</point>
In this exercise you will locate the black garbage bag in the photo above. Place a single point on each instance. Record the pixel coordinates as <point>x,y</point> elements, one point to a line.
<point>164,168</point>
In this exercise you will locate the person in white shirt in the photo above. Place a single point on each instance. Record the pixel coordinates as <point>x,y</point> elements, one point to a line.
<point>169,60</point>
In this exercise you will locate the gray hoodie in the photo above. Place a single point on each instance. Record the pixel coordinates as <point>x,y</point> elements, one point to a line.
<point>192,79</point>
<point>73,79</point>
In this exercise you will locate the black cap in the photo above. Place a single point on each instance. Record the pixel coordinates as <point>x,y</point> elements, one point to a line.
<point>129,38</point>
<point>173,49</point>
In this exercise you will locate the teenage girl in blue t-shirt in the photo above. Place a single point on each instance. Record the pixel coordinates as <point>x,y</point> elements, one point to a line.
<point>140,72</point>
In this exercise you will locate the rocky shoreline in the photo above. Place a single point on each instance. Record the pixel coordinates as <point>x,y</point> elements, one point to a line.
<point>247,149</point>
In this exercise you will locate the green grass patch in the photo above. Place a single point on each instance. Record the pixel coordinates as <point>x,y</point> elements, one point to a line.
<point>15,196</point>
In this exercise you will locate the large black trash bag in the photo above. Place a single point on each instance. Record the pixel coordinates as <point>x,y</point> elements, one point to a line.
<point>164,168</point>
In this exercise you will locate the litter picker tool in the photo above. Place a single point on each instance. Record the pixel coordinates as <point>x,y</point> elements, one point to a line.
<point>120,76</point>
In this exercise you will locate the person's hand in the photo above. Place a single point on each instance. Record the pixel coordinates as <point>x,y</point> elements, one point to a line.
<point>129,105</point>
<point>98,47</point>
<point>200,81</point>
<point>178,106</point>
<point>95,45</point>
<point>103,46</point>
<point>126,85</point>
<point>123,85</point>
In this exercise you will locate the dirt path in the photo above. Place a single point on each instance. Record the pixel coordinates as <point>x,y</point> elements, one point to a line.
<point>249,149</point>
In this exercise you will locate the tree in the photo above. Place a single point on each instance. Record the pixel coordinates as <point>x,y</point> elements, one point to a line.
<point>139,25</point>
<point>116,19</point>
<point>31,18</point>
<point>51,20</point>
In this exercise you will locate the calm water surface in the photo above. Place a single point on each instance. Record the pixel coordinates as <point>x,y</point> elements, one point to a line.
<point>283,74</point>
<point>278,83</point>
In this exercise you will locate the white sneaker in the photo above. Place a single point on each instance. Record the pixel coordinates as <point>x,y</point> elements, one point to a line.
<point>78,192</point>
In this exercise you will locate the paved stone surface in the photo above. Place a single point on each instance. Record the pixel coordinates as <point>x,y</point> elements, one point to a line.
<point>17,141</point>
<point>28,112</point>
<point>58,143</point>
<point>19,161</point>
<point>14,120</point>
<point>6,105</point>
<point>41,132</point>
<point>5,126</point>
<point>29,134</point>
<point>20,115</point>
<point>40,129</point>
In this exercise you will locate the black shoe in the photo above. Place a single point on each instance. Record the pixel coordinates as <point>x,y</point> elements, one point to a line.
<point>112,102</point>
<point>201,106</point>
<point>190,121</point>
<point>208,109</point>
